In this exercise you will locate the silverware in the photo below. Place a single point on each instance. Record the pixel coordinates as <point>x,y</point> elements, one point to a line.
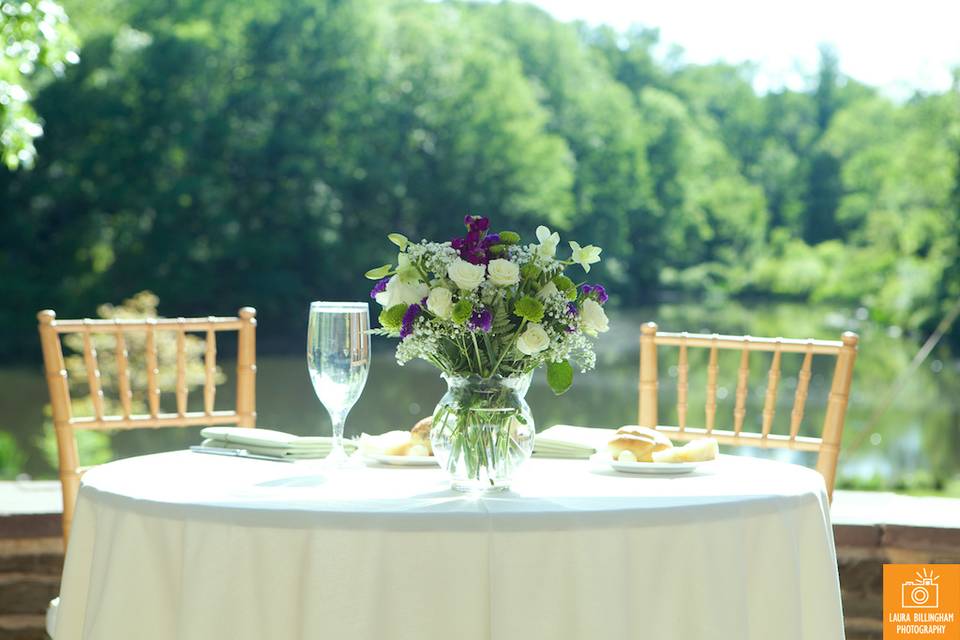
<point>235,453</point>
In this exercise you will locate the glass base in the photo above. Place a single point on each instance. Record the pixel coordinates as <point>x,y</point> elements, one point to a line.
<point>477,486</point>
<point>337,458</point>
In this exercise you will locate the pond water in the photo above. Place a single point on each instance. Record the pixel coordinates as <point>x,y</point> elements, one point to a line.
<point>914,444</point>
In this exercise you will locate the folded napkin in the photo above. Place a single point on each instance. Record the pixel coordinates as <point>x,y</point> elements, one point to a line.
<point>567,441</point>
<point>267,442</point>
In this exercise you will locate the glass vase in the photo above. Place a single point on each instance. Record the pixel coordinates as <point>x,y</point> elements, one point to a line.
<point>482,431</point>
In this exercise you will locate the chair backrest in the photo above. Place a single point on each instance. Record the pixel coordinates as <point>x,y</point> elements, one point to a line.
<point>827,445</point>
<point>65,423</point>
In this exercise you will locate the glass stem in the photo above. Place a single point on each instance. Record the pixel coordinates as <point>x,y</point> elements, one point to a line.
<point>338,422</point>
<point>338,456</point>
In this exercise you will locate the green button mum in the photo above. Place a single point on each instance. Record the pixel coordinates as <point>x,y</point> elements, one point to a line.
<point>392,318</point>
<point>529,308</point>
<point>461,311</point>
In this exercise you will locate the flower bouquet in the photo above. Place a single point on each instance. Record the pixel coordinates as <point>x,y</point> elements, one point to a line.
<point>487,311</point>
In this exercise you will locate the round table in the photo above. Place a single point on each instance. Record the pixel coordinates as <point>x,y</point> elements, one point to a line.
<point>189,546</point>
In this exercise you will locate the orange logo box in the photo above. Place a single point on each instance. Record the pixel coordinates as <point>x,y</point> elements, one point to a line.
<point>921,602</point>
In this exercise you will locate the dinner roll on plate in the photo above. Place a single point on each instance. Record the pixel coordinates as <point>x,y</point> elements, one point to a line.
<point>420,438</point>
<point>637,444</point>
<point>701,450</point>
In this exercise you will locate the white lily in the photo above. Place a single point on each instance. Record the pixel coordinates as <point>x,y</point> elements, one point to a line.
<point>406,270</point>
<point>548,242</point>
<point>585,256</point>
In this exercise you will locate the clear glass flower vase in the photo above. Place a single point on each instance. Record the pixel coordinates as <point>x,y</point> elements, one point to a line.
<point>482,431</point>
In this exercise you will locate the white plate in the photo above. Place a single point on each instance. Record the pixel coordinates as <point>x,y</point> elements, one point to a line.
<point>654,468</point>
<point>403,461</point>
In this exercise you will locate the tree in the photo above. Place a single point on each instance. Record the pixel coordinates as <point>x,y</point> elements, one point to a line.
<point>37,44</point>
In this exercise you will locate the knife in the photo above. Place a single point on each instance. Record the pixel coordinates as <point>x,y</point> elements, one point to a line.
<point>236,453</point>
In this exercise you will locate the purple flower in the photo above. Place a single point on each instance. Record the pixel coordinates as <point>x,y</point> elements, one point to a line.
<point>572,309</point>
<point>482,320</point>
<point>475,256</point>
<point>596,290</point>
<point>411,314</point>
<point>476,223</point>
<point>380,287</point>
<point>474,246</point>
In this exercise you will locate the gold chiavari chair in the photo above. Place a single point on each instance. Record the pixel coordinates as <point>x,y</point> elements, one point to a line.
<point>65,423</point>
<point>827,445</point>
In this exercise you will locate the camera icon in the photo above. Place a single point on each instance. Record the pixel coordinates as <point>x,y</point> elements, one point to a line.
<point>921,593</point>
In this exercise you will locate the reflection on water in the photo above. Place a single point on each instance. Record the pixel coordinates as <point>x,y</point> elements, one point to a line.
<point>916,440</point>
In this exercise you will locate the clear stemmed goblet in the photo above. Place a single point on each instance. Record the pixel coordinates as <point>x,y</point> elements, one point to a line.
<point>338,358</point>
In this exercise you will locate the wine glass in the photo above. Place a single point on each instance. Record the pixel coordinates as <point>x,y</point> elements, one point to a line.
<point>338,358</point>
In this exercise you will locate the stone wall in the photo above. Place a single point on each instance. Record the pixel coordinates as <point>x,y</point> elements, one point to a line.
<point>31,560</point>
<point>862,551</point>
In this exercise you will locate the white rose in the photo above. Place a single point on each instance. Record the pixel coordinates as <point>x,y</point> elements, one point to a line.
<point>399,292</point>
<point>503,273</point>
<point>467,276</point>
<point>548,242</point>
<point>547,291</point>
<point>440,302</point>
<point>593,317</point>
<point>533,340</point>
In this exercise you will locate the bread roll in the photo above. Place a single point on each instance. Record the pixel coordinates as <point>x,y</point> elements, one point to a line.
<point>420,437</point>
<point>395,443</point>
<point>639,441</point>
<point>700,450</point>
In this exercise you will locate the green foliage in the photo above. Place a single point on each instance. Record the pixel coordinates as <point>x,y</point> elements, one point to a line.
<point>37,44</point>
<point>559,376</point>
<point>255,153</point>
<point>379,272</point>
<point>565,286</point>
<point>11,457</point>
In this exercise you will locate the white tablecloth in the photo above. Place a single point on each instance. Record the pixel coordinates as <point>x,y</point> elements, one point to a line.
<point>189,546</point>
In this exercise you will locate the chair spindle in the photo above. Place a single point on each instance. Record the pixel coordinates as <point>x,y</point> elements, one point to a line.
<point>153,370</point>
<point>713,370</point>
<point>93,373</point>
<point>123,373</point>
<point>682,369</point>
<point>210,370</point>
<point>773,381</point>
<point>800,398</point>
<point>743,375</point>
<point>181,369</point>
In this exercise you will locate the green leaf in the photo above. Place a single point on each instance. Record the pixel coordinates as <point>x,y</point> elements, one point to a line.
<point>379,272</point>
<point>566,286</point>
<point>501,320</point>
<point>559,376</point>
<point>461,311</point>
<point>392,318</point>
<point>529,308</point>
<point>398,239</point>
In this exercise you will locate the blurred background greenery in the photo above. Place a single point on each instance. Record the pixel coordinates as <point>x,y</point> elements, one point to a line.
<point>221,154</point>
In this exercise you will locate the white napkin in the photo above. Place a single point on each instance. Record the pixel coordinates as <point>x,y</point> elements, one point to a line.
<point>567,441</point>
<point>271,443</point>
